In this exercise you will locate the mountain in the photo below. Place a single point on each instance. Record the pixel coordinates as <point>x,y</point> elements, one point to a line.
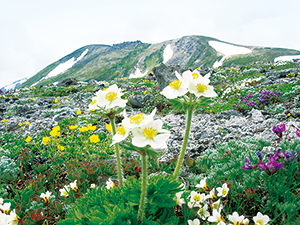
<point>13,86</point>
<point>126,59</point>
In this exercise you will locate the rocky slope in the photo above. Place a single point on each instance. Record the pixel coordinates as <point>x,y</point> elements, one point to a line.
<point>207,130</point>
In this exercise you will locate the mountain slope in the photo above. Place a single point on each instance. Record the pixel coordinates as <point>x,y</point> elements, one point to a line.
<point>101,62</point>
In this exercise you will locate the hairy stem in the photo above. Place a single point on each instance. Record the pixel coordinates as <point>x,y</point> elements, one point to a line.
<point>144,188</point>
<point>185,141</point>
<point>113,126</point>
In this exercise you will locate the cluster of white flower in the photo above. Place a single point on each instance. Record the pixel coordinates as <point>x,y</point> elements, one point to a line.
<point>108,98</point>
<point>207,203</point>
<point>66,189</point>
<point>145,130</point>
<point>7,216</point>
<point>192,82</point>
<point>239,85</point>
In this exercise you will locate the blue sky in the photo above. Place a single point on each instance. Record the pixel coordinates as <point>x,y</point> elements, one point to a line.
<point>35,33</point>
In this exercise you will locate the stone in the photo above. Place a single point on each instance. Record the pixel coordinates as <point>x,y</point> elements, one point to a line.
<point>138,101</point>
<point>68,82</point>
<point>227,114</point>
<point>257,116</point>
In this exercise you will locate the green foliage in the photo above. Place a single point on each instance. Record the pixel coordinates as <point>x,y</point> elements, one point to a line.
<point>120,205</point>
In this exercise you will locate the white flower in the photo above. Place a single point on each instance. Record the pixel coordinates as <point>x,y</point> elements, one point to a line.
<point>261,219</point>
<point>110,184</point>
<point>203,184</point>
<point>235,218</point>
<point>93,185</point>
<point>176,88</point>
<point>151,134</point>
<point>137,120</point>
<point>246,221</point>
<point>137,74</point>
<point>65,191</point>
<point>212,194</point>
<point>203,212</point>
<point>46,197</point>
<point>108,98</point>
<point>197,198</point>
<point>198,84</point>
<point>121,134</point>
<point>5,207</point>
<point>216,217</point>
<point>179,201</point>
<point>194,222</point>
<point>13,218</point>
<point>1,201</point>
<point>223,191</point>
<point>217,205</point>
<point>73,186</point>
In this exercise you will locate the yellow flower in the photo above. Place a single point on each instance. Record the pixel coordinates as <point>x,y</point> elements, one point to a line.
<point>20,124</point>
<point>94,138</point>
<point>66,97</point>
<point>54,132</point>
<point>27,123</point>
<point>46,140</point>
<point>83,129</point>
<point>56,101</point>
<point>5,120</point>
<point>28,139</point>
<point>91,127</point>
<point>108,127</point>
<point>59,147</point>
<point>78,112</point>
<point>73,127</point>
<point>289,114</point>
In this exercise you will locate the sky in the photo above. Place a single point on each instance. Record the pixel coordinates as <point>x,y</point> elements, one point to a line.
<point>36,33</point>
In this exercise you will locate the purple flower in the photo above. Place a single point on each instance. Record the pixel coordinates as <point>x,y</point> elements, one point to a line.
<point>251,103</point>
<point>250,95</point>
<point>279,129</point>
<point>272,163</point>
<point>259,155</point>
<point>298,133</point>
<point>248,165</point>
<point>288,155</point>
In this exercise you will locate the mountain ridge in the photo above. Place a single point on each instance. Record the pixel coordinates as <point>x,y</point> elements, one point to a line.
<point>120,60</point>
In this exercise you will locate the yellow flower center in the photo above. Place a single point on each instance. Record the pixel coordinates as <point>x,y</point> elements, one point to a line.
<point>137,118</point>
<point>201,88</point>
<point>149,133</point>
<point>110,96</point>
<point>175,84</point>
<point>197,198</point>
<point>259,222</point>
<point>224,192</point>
<point>195,75</point>
<point>121,130</point>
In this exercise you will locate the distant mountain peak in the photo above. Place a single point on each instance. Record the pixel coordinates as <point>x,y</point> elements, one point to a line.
<point>101,62</point>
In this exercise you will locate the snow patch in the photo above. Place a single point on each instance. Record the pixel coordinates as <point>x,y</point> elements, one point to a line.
<point>168,53</point>
<point>286,58</point>
<point>227,50</point>
<point>66,65</point>
<point>137,74</point>
<point>13,85</point>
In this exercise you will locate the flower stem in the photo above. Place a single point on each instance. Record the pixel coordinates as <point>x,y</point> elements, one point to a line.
<point>185,141</point>
<point>113,127</point>
<point>144,188</point>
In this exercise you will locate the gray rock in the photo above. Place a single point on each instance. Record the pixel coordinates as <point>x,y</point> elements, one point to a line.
<point>68,82</point>
<point>227,114</point>
<point>93,82</point>
<point>257,116</point>
<point>163,75</point>
<point>138,101</point>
